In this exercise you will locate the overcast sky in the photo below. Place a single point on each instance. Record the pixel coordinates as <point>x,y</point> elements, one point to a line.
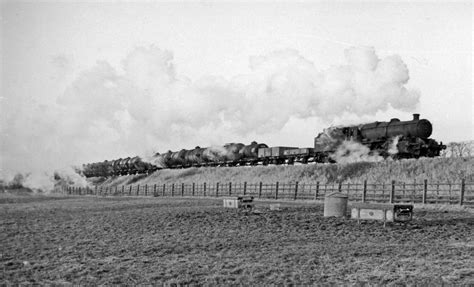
<point>54,53</point>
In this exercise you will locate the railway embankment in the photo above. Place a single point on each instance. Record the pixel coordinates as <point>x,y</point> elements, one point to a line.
<point>445,170</point>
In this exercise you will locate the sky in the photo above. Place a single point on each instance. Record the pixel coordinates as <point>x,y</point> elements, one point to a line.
<point>84,81</point>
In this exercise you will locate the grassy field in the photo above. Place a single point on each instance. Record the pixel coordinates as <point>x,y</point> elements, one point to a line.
<point>95,240</point>
<point>433,169</point>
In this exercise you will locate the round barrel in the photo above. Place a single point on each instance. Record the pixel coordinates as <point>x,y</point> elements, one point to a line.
<point>335,204</point>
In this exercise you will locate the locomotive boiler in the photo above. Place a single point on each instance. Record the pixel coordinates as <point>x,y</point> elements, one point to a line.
<point>395,139</point>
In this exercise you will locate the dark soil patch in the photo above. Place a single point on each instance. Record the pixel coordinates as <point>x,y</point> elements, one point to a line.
<point>94,240</point>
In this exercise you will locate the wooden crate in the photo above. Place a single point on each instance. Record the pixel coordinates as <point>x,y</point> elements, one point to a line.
<point>245,202</point>
<point>382,212</point>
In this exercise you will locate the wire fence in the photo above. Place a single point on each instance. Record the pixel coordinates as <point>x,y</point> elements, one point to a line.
<point>461,193</point>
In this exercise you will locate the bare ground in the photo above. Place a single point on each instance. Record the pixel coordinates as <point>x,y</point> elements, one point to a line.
<point>95,240</point>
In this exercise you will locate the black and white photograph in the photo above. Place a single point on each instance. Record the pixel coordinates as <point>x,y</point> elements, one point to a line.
<point>247,143</point>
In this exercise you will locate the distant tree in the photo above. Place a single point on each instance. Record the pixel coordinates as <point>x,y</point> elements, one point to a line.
<point>459,149</point>
<point>17,181</point>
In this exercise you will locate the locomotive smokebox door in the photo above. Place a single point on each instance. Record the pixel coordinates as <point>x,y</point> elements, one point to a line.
<point>402,212</point>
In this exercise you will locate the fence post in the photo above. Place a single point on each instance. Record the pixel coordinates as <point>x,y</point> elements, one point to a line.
<point>425,190</point>
<point>463,188</point>
<point>245,187</point>
<point>182,189</point>
<point>316,191</point>
<point>138,189</point>
<point>172,190</point>
<point>194,185</point>
<point>204,189</point>
<point>392,192</point>
<point>364,192</point>
<point>164,188</point>
<point>339,188</point>
<point>123,189</point>
<point>230,188</point>
<point>296,190</point>
<point>95,189</point>
<point>130,192</point>
<point>260,190</point>
<point>276,190</point>
<point>154,190</point>
<point>217,189</point>
<point>146,189</point>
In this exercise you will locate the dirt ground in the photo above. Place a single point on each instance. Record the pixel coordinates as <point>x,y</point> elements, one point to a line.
<point>95,240</point>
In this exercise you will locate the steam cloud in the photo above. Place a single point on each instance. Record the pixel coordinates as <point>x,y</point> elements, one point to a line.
<point>107,113</point>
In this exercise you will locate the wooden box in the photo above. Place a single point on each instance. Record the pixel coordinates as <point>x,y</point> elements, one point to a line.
<point>383,212</point>
<point>239,202</point>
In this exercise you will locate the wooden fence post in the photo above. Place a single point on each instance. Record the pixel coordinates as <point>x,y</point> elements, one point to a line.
<point>123,189</point>
<point>392,192</point>
<point>146,189</point>
<point>138,189</point>
<point>172,190</point>
<point>230,188</point>
<point>194,186</point>
<point>204,189</point>
<point>463,188</point>
<point>217,189</point>
<point>164,188</point>
<point>316,191</point>
<point>364,192</point>
<point>425,190</point>
<point>154,190</point>
<point>339,188</point>
<point>296,190</point>
<point>276,190</point>
<point>245,187</point>
<point>260,190</point>
<point>182,189</point>
<point>130,190</point>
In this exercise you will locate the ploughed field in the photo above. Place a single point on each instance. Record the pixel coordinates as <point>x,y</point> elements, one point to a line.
<point>96,240</point>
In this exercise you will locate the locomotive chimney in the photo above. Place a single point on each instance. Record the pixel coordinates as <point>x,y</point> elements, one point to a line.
<point>416,117</point>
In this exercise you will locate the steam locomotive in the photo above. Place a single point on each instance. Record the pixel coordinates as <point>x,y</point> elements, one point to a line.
<point>395,139</point>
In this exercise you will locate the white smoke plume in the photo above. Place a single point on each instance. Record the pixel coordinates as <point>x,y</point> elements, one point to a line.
<point>147,106</point>
<point>350,152</point>
<point>393,149</point>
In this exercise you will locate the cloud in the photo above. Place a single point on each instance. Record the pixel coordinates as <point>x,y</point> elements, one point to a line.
<point>106,113</point>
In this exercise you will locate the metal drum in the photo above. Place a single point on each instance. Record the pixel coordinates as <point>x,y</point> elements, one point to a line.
<point>335,204</point>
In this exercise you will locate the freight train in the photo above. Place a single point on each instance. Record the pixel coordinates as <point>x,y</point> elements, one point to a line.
<point>395,139</point>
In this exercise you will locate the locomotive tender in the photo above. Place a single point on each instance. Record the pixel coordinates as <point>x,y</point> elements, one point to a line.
<point>396,139</point>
